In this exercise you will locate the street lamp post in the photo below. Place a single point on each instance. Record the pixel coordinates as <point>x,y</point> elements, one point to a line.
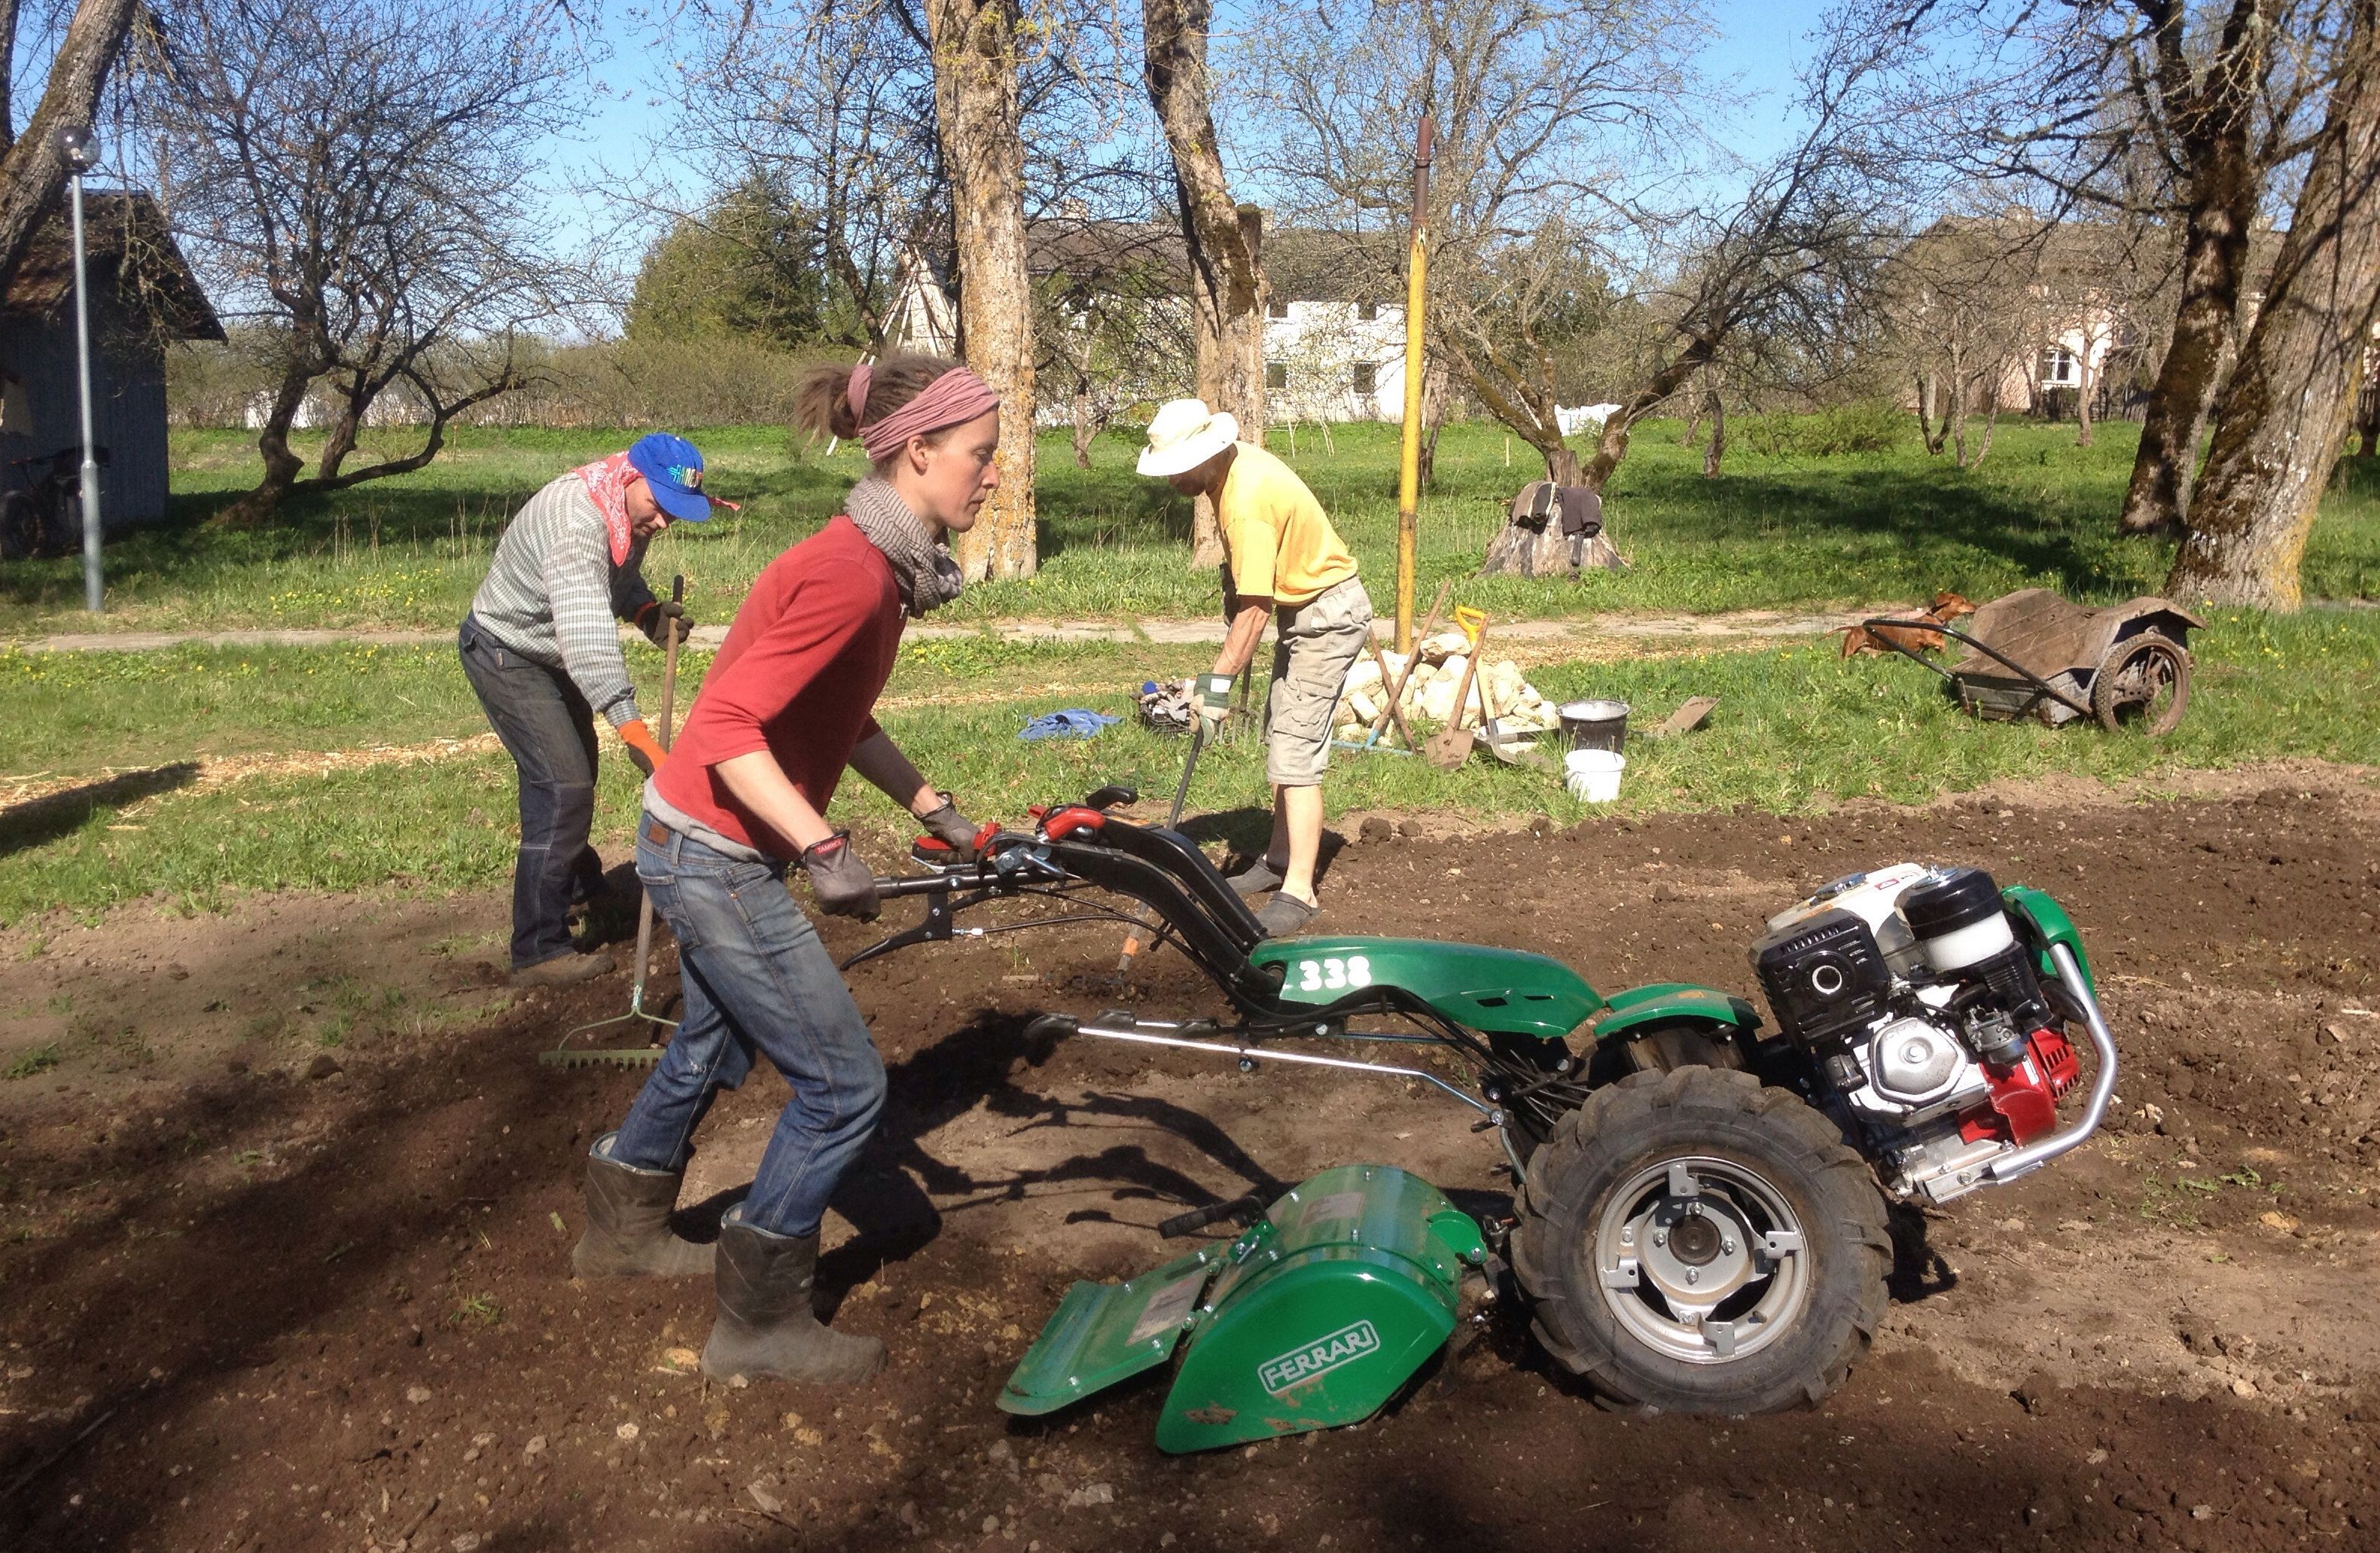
<point>81,156</point>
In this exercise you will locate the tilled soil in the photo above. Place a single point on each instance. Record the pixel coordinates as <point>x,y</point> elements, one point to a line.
<point>247,1309</point>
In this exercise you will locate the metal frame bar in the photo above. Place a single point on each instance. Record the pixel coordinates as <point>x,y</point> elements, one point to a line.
<point>2007,1166</point>
<point>1251,1054</point>
<point>2035,680</point>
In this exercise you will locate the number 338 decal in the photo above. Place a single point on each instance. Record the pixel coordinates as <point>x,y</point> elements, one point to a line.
<point>1316,975</point>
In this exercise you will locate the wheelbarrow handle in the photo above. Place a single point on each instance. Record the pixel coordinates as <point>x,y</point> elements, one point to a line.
<point>1986,648</point>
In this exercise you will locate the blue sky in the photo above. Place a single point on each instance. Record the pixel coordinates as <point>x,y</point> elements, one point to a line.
<point>1757,44</point>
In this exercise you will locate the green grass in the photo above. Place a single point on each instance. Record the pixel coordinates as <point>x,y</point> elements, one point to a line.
<point>1772,533</point>
<point>1798,730</point>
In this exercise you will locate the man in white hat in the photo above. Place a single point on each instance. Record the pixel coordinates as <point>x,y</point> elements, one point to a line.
<point>1284,560</point>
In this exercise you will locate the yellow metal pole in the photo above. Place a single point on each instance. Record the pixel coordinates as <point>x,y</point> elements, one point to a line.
<point>1409,463</point>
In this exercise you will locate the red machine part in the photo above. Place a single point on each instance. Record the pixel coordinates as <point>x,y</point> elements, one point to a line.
<point>1059,824</point>
<point>2024,1098</point>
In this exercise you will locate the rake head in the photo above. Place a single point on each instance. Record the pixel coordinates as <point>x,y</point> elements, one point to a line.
<point>600,1057</point>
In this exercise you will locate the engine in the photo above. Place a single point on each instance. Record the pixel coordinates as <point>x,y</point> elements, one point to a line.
<point>1917,1005</point>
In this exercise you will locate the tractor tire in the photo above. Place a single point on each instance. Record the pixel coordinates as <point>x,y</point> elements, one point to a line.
<point>1693,1242</point>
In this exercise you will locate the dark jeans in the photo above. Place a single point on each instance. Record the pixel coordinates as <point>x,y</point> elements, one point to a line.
<point>756,979</point>
<point>549,730</point>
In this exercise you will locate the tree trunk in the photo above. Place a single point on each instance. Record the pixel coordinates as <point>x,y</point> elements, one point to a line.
<point>34,169</point>
<point>1612,446</point>
<point>2086,381</point>
<point>1224,241</point>
<point>1717,448</point>
<point>1927,428</point>
<point>1434,391</point>
<point>2222,186</point>
<point>7,74</point>
<point>2284,414</point>
<point>1086,426</point>
<point>975,114</point>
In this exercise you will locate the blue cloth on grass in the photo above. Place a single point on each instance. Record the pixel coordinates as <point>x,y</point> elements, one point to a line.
<point>1073,723</point>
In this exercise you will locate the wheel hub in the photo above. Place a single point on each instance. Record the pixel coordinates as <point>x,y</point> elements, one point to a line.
<point>1702,1258</point>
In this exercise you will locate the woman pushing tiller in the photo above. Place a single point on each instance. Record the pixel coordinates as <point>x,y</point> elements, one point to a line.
<point>785,708</point>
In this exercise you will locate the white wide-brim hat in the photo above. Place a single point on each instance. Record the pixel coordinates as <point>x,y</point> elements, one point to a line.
<point>1183,434</point>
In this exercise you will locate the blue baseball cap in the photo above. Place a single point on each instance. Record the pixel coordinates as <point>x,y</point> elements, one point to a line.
<point>672,466</point>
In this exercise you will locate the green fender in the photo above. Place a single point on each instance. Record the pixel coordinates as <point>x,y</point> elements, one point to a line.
<point>1505,992</point>
<point>1664,1002</point>
<point>2044,921</point>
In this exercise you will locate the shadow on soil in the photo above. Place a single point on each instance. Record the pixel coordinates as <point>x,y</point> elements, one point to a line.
<point>172,1306</point>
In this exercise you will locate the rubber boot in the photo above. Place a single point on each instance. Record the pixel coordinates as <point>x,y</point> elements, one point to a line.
<point>766,1329</point>
<point>629,1232</point>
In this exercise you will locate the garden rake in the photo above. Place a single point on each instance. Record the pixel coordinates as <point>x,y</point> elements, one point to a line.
<point>565,1054</point>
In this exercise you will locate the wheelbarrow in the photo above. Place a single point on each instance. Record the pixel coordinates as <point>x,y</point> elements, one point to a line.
<point>2034,653</point>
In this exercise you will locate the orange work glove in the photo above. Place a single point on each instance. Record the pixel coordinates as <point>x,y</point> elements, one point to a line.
<point>643,748</point>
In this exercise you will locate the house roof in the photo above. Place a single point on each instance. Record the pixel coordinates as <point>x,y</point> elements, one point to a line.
<point>130,248</point>
<point>2074,251</point>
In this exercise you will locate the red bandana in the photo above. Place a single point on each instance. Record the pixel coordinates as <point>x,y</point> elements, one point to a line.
<point>607,486</point>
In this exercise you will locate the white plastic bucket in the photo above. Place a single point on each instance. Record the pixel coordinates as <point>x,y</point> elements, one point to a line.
<point>1593,776</point>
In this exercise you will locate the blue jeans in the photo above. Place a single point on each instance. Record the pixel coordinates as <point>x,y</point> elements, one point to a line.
<point>548,729</point>
<point>756,979</point>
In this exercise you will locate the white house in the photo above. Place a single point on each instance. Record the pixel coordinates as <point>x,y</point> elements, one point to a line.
<point>1326,357</point>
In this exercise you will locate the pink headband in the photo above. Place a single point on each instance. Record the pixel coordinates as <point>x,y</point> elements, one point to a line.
<point>956,397</point>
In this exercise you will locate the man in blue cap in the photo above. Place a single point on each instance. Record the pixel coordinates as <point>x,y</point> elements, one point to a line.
<point>543,653</point>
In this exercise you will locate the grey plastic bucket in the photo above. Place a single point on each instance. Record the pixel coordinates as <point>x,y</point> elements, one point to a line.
<point>1594,724</point>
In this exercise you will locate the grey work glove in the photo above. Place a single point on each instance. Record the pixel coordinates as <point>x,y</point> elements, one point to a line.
<point>840,882</point>
<point>660,618</point>
<point>951,829</point>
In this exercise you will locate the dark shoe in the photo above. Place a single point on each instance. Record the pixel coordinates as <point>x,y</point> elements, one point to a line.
<point>629,1230</point>
<point>567,968</point>
<point>1257,878</point>
<point>766,1329</point>
<point>1284,914</point>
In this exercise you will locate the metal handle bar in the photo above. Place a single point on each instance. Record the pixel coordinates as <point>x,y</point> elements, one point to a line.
<point>2007,1166</point>
<point>2035,680</point>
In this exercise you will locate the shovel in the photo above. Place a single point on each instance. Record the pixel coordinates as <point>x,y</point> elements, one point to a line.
<point>1451,745</point>
<point>565,1054</point>
<point>1499,738</point>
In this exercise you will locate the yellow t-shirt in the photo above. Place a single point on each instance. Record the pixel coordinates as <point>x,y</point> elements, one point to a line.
<point>1282,546</point>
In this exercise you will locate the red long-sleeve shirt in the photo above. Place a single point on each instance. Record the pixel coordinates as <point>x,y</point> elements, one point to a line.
<point>798,677</point>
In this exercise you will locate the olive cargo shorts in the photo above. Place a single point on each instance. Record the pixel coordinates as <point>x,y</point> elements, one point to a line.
<point>1319,642</point>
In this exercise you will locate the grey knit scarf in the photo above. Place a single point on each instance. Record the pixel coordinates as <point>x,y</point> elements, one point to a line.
<point>922,567</point>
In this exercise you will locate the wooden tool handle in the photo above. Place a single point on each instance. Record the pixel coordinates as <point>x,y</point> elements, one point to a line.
<point>669,664</point>
<point>1429,623</point>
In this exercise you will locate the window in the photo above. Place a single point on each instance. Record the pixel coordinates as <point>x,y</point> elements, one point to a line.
<point>1276,309</point>
<point>1276,375</point>
<point>1366,378</point>
<point>1367,312</point>
<point>2057,368</point>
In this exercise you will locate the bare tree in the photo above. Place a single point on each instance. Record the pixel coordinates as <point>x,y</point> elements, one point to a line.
<point>978,113</point>
<point>2284,415</point>
<point>353,173</point>
<point>825,115</point>
<point>33,167</point>
<point>2160,110</point>
<point>1550,114</point>
<point>1784,284</point>
<point>1225,239</point>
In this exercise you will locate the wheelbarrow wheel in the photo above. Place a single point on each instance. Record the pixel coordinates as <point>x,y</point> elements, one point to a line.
<point>2142,684</point>
<point>1693,1242</point>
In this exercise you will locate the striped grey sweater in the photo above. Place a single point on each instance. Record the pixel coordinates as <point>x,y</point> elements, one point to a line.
<point>553,593</point>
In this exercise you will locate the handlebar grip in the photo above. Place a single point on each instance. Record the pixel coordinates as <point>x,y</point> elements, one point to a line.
<point>1198,1219</point>
<point>919,884</point>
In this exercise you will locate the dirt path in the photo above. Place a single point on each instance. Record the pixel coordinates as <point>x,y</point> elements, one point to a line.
<point>247,1309</point>
<point>1546,637</point>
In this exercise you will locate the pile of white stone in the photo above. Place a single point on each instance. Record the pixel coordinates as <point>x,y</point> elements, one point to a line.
<point>1429,693</point>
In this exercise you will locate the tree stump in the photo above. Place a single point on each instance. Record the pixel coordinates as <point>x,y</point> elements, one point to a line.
<point>1530,546</point>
